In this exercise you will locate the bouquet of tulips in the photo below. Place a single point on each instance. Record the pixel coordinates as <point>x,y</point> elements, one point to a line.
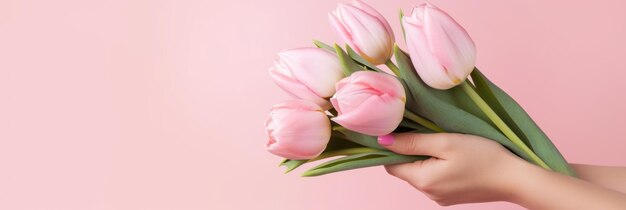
<point>344,100</point>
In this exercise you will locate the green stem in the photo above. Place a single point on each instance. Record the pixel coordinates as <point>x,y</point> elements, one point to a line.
<point>422,121</point>
<point>501,124</point>
<point>349,151</point>
<point>393,67</point>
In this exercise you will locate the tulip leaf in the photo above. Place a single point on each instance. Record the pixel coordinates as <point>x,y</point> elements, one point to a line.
<point>323,45</point>
<point>410,101</point>
<point>292,164</point>
<point>521,123</point>
<point>401,15</point>
<point>359,138</point>
<point>360,161</point>
<point>445,114</point>
<point>355,56</point>
<point>416,128</point>
<point>463,101</point>
<point>348,65</point>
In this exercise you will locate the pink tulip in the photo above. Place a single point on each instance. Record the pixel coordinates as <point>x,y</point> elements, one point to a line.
<point>441,50</point>
<point>365,30</point>
<point>307,73</point>
<point>369,102</point>
<point>297,129</point>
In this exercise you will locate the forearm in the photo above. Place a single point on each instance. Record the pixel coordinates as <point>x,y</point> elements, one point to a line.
<point>543,189</point>
<point>610,177</point>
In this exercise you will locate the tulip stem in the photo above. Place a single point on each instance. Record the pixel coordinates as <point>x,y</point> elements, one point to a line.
<point>501,124</point>
<point>393,67</point>
<point>422,121</point>
<point>349,151</point>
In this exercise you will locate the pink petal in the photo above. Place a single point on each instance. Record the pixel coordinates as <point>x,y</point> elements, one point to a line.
<point>300,135</point>
<point>450,43</point>
<point>369,35</point>
<point>383,83</point>
<point>318,69</point>
<point>370,10</point>
<point>296,89</point>
<point>377,116</point>
<point>426,64</point>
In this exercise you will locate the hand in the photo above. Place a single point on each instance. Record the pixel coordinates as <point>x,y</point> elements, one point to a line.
<point>463,168</point>
<point>471,169</point>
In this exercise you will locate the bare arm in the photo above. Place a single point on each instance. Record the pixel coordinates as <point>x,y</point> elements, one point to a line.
<point>541,189</point>
<point>606,176</point>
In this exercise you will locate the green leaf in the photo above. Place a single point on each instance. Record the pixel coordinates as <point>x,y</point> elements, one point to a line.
<point>323,45</point>
<point>463,101</point>
<point>417,128</point>
<point>401,14</point>
<point>292,164</point>
<point>359,138</point>
<point>348,65</point>
<point>521,123</point>
<point>356,57</point>
<point>445,114</point>
<point>410,101</point>
<point>360,161</point>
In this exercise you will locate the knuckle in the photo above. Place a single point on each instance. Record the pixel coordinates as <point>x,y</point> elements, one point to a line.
<point>445,144</point>
<point>412,145</point>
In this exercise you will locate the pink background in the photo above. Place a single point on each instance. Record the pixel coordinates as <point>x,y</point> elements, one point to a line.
<point>160,104</point>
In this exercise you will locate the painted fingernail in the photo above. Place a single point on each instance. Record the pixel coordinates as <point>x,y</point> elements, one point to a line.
<point>386,140</point>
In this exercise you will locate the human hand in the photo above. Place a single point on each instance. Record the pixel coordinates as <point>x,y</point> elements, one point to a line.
<point>463,168</point>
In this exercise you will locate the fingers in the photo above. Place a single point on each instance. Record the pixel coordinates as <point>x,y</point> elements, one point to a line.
<point>418,144</point>
<point>402,171</point>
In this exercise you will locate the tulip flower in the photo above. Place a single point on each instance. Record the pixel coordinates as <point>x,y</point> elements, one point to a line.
<point>441,50</point>
<point>369,102</point>
<point>297,129</point>
<point>308,73</point>
<point>365,30</point>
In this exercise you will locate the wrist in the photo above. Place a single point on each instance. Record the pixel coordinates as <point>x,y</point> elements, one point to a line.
<point>525,180</point>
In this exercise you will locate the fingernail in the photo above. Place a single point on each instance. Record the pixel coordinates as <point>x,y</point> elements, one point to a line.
<point>386,140</point>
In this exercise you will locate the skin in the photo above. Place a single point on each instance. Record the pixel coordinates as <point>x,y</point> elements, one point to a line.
<point>472,169</point>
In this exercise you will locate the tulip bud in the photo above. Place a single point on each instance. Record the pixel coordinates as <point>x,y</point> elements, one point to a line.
<point>365,30</point>
<point>369,102</point>
<point>441,50</point>
<point>308,73</point>
<point>297,129</point>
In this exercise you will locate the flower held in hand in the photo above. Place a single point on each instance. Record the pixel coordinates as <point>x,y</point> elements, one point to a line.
<point>441,50</point>
<point>369,102</point>
<point>297,129</point>
<point>307,73</point>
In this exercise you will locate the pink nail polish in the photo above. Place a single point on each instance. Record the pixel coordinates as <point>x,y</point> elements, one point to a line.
<point>386,140</point>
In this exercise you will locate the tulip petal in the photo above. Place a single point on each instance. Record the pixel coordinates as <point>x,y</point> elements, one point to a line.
<point>427,65</point>
<point>449,42</point>
<point>318,69</point>
<point>383,83</point>
<point>295,88</point>
<point>339,28</point>
<point>301,135</point>
<point>376,116</point>
<point>353,98</point>
<point>297,104</point>
<point>373,12</point>
<point>370,37</point>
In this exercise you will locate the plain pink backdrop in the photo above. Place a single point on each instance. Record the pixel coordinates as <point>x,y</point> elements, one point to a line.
<point>150,104</point>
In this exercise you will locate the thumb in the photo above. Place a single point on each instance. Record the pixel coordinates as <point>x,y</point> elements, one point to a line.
<point>416,143</point>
